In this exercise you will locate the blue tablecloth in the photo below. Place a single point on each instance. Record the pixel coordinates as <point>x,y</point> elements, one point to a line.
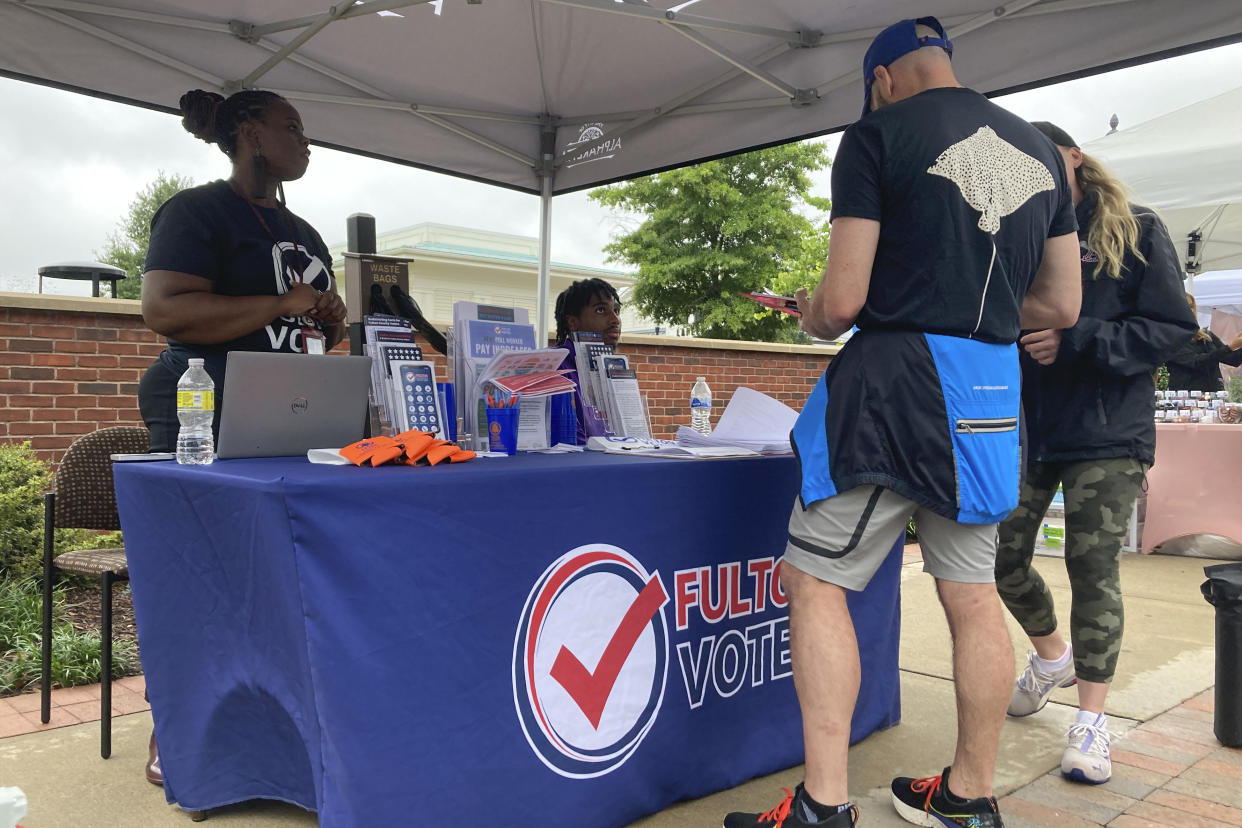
<point>560,640</point>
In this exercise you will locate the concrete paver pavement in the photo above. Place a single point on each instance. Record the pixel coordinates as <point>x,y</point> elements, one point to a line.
<point>1168,767</point>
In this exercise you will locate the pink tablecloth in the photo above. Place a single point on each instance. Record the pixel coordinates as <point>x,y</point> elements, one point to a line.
<point>1195,487</point>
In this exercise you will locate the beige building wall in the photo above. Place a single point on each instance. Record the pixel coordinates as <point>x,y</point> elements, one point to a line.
<point>453,264</point>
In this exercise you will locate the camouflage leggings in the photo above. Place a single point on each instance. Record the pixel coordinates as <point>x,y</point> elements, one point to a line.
<point>1099,499</point>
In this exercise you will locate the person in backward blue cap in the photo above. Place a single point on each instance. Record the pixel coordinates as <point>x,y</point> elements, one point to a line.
<point>897,41</point>
<point>952,230</point>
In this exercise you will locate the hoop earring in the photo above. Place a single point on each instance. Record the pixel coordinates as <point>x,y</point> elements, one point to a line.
<point>258,169</point>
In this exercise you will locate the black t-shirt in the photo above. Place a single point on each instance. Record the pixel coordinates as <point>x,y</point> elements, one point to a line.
<point>965,193</point>
<point>212,232</point>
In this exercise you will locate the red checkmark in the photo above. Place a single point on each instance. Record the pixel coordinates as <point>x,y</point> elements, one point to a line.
<point>590,690</point>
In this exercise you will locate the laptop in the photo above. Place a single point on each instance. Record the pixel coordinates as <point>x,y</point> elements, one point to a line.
<point>282,405</point>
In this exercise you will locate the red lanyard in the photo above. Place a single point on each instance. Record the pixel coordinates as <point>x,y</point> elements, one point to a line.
<point>293,229</point>
<point>308,322</point>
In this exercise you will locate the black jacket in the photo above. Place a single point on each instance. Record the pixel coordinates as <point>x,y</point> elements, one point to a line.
<point>1096,401</point>
<point>1196,365</point>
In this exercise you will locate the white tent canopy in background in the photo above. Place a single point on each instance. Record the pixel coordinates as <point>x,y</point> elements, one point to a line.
<point>1220,290</point>
<point>550,96</point>
<point>1188,165</point>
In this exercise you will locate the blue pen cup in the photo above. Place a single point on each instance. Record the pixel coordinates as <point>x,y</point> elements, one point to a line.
<point>502,428</point>
<point>563,420</point>
<point>448,408</point>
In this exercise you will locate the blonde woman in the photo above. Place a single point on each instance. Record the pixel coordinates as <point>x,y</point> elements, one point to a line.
<point>1087,394</point>
<point>1196,365</point>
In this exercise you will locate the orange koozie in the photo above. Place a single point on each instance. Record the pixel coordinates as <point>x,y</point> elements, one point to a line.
<point>373,450</point>
<point>416,445</point>
<point>443,450</point>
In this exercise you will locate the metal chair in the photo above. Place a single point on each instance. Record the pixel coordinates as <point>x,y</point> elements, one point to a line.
<point>82,497</point>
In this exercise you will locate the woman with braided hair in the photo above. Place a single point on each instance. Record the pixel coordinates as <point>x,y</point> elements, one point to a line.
<point>229,267</point>
<point>1088,398</point>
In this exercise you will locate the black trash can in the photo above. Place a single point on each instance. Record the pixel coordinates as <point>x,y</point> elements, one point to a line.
<point>1223,590</point>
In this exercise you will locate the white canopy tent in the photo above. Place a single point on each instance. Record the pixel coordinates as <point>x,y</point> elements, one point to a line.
<point>1220,290</point>
<point>551,96</point>
<point>1188,165</point>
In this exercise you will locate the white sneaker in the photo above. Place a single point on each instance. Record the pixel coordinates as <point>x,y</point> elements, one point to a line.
<point>1034,686</point>
<point>1086,758</point>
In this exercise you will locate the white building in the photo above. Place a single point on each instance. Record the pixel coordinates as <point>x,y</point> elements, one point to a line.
<point>452,264</point>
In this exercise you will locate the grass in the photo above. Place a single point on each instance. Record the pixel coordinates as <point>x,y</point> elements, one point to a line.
<point>75,654</point>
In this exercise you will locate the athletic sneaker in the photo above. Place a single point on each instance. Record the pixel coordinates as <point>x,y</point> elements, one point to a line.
<point>791,813</point>
<point>1035,685</point>
<point>926,802</point>
<point>1086,756</point>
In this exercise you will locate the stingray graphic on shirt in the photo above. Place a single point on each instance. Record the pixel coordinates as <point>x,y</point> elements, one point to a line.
<point>994,177</point>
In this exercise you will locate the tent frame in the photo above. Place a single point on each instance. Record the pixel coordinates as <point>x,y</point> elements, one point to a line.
<point>543,170</point>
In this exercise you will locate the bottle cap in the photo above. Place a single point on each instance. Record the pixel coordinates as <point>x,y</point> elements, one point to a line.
<point>700,379</point>
<point>196,360</point>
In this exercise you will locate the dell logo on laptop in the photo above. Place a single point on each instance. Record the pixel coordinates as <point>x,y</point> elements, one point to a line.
<point>299,405</point>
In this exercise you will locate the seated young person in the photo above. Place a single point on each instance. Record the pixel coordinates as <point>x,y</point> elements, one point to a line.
<point>586,305</point>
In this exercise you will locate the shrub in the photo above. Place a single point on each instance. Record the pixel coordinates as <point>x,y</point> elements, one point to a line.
<point>75,655</point>
<point>23,479</point>
<point>1233,385</point>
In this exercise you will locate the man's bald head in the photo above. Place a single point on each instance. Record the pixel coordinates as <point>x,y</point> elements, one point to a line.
<point>907,58</point>
<point>927,56</point>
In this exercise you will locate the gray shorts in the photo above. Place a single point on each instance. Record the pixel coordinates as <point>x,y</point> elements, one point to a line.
<point>844,539</point>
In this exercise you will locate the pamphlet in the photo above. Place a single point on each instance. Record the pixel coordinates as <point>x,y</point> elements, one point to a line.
<point>534,424</point>
<point>384,330</point>
<point>538,384</point>
<point>532,375</point>
<point>479,333</point>
<point>784,304</point>
<point>414,384</point>
<point>389,354</point>
<point>588,346</point>
<point>623,401</point>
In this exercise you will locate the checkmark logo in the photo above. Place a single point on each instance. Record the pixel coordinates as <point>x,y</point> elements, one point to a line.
<point>591,690</point>
<point>590,660</point>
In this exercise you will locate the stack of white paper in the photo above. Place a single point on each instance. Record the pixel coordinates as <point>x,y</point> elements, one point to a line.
<point>751,420</point>
<point>648,447</point>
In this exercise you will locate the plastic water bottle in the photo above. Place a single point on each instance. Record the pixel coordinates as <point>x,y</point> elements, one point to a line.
<point>12,807</point>
<point>196,406</point>
<point>701,406</point>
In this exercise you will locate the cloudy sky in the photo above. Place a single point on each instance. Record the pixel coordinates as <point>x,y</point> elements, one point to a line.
<point>70,165</point>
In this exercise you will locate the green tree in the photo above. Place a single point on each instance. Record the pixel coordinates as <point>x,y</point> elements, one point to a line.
<point>721,228</point>
<point>127,247</point>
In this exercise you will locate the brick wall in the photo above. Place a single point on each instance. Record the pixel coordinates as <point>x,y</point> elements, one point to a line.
<point>67,370</point>
<point>71,365</point>
<point>666,374</point>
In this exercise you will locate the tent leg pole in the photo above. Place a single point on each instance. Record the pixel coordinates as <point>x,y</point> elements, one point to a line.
<point>545,234</point>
